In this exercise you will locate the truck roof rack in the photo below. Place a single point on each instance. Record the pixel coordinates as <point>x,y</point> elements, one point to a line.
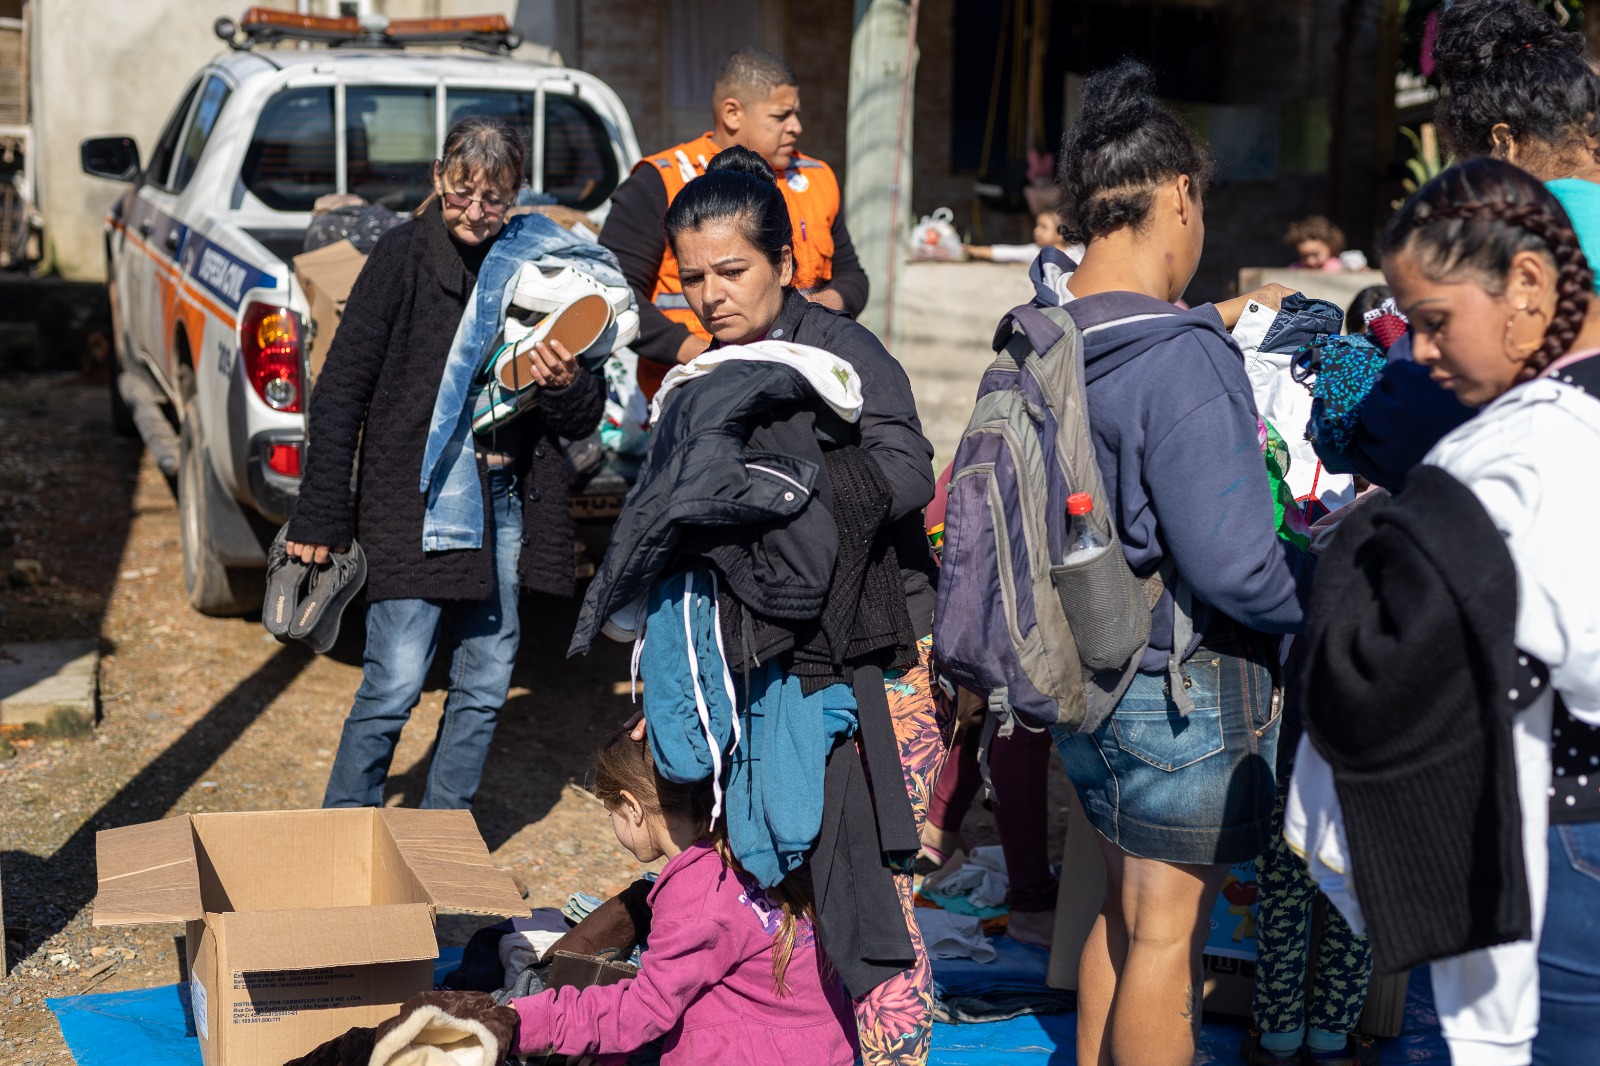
<point>266,26</point>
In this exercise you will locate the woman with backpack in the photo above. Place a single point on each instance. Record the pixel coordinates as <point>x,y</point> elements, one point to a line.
<point>1179,780</point>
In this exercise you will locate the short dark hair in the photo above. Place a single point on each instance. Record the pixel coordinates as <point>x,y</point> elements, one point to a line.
<point>1507,61</point>
<point>1315,228</point>
<point>750,75</point>
<point>1122,144</point>
<point>738,186</point>
<point>1368,299</point>
<point>483,144</point>
<point>1470,222</point>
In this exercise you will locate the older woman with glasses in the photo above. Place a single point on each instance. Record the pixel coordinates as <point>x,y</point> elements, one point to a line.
<point>376,394</point>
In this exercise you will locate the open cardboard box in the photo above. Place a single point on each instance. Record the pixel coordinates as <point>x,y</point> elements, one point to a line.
<point>326,276</point>
<point>299,924</point>
<point>1229,960</point>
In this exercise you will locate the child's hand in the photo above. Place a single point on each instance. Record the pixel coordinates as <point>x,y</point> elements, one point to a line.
<point>636,725</point>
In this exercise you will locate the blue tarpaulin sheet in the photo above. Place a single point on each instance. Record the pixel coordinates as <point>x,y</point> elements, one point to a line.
<point>151,1026</point>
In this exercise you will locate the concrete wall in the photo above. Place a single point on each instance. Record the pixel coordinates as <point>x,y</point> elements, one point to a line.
<point>105,67</point>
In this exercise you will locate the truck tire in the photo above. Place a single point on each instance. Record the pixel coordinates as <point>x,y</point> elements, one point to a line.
<point>121,414</point>
<point>122,423</point>
<point>212,588</point>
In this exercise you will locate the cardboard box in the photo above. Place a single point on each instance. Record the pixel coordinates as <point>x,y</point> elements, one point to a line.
<point>299,924</point>
<point>326,276</point>
<point>1229,961</point>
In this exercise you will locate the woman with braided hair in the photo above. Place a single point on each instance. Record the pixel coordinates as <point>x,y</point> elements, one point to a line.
<point>1454,649</point>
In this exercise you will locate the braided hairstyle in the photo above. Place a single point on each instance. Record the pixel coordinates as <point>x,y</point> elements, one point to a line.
<point>1507,61</point>
<point>1121,145</point>
<point>1473,219</point>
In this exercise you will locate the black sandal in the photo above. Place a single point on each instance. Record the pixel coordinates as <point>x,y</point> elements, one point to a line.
<point>333,585</point>
<point>286,581</point>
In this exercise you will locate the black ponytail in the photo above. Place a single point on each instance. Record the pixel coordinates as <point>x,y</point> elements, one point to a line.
<point>738,186</point>
<point>1506,61</point>
<point>1121,145</point>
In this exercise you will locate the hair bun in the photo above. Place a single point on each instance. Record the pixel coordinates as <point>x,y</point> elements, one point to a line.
<point>741,160</point>
<point>1476,36</point>
<point>1116,102</point>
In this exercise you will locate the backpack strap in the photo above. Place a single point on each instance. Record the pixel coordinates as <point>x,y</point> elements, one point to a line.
<point>1042,333</point>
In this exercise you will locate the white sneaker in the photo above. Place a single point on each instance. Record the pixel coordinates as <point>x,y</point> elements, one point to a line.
<point>493,406</point>
<point>545,293</point>
<point>626,621</point>
<point>577,325</point>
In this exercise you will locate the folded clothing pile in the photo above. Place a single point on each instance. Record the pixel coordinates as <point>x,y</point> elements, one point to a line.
<point>978,878</point>
<point>1008,986</point>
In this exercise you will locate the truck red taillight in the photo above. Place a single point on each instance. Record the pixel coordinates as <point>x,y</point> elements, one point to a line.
<point>284,459</point>
<point>269,341</point>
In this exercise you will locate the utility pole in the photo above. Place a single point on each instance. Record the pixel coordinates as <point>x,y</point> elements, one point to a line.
<point>877,194</point>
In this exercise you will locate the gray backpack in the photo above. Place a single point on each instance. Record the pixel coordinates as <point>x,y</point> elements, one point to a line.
<point>1052,642</point>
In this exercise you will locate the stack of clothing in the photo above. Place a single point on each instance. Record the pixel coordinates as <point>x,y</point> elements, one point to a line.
<point>754,566</point>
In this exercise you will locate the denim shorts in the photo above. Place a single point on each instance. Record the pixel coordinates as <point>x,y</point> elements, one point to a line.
<point>1186,789</point>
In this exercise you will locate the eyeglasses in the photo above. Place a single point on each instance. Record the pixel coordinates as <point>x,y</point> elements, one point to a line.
<point>488,204</point>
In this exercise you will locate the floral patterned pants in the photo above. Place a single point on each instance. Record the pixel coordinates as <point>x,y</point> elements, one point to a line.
<point>895,1020</point>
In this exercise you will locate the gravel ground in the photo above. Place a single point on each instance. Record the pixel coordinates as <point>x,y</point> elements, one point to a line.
<point>206,714</point>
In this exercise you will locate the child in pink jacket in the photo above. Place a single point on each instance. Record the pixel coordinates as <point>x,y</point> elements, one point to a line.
<point>733,973</point>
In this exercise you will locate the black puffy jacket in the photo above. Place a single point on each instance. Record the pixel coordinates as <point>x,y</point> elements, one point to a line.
<point>736,449</point>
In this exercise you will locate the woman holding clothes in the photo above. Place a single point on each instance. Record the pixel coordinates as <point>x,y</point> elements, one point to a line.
<point>1517,89</point>
<point>1463,671</point>
<point>731,234</point>
<point>376,395</point>
<point>1176,795</point>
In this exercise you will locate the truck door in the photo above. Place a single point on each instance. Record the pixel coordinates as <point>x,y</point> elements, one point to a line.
<point>149,280</point>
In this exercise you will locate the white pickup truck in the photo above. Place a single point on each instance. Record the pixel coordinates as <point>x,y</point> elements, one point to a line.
<point>211,328</point>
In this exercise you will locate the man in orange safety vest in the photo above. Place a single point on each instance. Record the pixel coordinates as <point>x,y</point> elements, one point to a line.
<point>755,104</point>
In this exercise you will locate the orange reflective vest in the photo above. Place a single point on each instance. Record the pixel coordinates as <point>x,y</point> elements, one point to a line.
<point>812,193</point>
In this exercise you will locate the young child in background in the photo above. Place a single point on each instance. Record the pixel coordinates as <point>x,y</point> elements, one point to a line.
<point>733,972</point>
<point>1317,244</point>
<point>1046,234</point>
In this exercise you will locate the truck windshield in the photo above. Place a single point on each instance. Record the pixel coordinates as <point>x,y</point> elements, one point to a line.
<point>391,139</point>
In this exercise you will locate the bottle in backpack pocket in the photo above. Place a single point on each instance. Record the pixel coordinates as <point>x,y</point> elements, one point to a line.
<point>1103,601</point>
<point>1085,543</point>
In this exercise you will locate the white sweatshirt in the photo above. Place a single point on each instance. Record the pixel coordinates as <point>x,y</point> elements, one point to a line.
<point>1530,457</point>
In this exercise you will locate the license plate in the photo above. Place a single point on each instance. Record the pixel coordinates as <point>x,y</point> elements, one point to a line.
<point>596,506</point>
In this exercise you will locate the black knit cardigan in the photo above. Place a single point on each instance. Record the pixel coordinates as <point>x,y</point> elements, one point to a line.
<point>377,389</point>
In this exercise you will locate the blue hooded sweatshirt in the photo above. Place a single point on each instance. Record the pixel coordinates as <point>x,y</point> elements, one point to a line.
<point>1176,435</point>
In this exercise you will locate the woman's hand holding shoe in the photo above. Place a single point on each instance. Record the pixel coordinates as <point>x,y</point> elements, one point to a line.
<point>552,366</point>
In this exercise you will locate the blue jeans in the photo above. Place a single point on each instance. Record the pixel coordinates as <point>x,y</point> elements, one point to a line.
<point>1569,950</point>
<point>402,636</point>
<point>1196,789</point>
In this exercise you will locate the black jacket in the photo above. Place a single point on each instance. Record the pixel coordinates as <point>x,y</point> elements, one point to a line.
<point>377,388</point>
<point>633,233</point>
<point>701,471</point>
<point>1409,662</point>
<point>889,431</point>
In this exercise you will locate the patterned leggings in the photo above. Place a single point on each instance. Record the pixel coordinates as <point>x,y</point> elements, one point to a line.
<point>1344,960</point>
<point>895,1020</point>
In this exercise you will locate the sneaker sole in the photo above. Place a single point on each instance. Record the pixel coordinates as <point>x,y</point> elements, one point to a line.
<point>576,326</point>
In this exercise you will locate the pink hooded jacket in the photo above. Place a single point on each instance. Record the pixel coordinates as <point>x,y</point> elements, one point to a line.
<point>706,984</point>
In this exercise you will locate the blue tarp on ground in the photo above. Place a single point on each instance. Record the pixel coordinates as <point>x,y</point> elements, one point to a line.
<point>151,1026</point>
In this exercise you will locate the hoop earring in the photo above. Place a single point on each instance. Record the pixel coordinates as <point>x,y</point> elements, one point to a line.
<point>1517,353</point>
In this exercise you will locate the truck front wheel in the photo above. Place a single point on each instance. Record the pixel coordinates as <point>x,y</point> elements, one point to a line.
<point>212,588</point>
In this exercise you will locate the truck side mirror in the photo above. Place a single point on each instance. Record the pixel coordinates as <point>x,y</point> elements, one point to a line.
<point>112,158</point>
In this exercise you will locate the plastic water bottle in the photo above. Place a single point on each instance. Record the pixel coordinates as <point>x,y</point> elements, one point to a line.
<point>1086,542</point>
